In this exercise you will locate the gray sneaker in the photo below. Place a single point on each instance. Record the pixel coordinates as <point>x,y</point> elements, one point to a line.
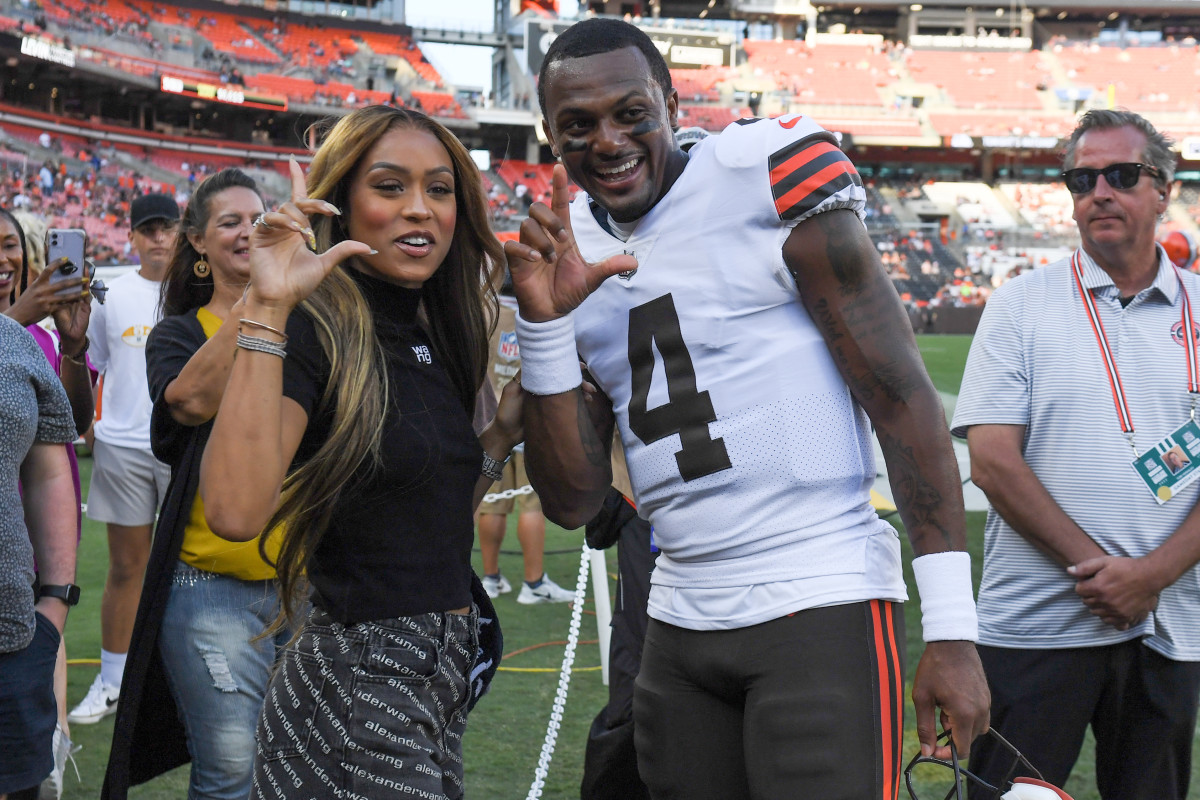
<point>64,750</point>
<point>547,592</point>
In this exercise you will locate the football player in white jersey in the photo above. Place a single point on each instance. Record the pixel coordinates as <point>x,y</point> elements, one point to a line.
<point>745,346</point>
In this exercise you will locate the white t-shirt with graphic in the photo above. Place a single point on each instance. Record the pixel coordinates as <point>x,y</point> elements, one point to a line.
<point>117,335</point>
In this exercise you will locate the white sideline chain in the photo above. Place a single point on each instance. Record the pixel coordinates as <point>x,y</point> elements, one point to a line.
<point>564,679</point>
<point>507,494</point>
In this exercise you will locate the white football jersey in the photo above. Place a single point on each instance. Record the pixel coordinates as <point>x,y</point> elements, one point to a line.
<point>746,450</point>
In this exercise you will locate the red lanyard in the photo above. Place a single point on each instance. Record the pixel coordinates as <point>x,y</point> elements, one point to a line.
<point>1110,364</point>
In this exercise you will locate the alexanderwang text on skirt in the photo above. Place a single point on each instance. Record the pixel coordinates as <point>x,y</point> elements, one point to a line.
<point>376,709</point>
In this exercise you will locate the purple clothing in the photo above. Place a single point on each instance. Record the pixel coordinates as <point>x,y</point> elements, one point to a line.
<point>49,344</point>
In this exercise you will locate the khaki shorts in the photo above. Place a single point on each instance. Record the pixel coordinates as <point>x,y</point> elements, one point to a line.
<point>128,485</point>
<point>514,478</point>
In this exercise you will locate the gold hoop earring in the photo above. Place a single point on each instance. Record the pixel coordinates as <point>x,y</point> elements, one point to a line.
<point>201,269</point>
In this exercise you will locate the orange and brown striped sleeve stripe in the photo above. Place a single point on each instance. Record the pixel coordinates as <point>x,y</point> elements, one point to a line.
<point>807,172</point>
<point>890,709</point>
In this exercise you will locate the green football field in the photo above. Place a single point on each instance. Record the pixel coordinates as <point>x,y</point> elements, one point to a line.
<point>506,730</point>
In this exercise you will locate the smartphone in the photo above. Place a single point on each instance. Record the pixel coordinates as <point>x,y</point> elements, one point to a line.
<point>69,242</point>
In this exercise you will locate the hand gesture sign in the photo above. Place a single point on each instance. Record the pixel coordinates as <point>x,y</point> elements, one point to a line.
<point>550,275</point>
<point>284,265</point>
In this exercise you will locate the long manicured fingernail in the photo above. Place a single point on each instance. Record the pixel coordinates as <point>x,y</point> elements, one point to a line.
<point>310,238</point>
<point>372,252</point>
<point>332,208</point>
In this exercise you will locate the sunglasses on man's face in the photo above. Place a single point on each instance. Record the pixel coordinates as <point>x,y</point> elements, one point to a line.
<point>1082,180</point>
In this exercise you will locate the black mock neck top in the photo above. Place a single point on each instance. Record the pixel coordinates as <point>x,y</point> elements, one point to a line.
<point>399,542</point>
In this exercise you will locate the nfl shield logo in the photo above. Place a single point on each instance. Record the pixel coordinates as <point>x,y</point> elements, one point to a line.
<point>508,348</point>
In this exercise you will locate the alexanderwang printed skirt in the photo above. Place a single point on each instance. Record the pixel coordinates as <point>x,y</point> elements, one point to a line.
<point>372,710</point>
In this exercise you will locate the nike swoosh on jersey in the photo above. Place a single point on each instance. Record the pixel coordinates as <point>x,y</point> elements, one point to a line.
<point>806,173</point>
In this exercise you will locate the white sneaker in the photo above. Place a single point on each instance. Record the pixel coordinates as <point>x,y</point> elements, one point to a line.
<point>547,592</point>
<point>496,586</point>
<point>52,786</point>
<point>101,701</point>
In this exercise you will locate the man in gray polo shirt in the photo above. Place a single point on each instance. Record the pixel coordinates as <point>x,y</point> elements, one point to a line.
<point>1083,376</point>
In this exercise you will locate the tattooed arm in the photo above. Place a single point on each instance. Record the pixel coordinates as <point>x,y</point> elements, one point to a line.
<point>567,455</point>
<point>857,310</point>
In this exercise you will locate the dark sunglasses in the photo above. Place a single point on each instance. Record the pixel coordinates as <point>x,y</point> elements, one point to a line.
<point>1082,180</point>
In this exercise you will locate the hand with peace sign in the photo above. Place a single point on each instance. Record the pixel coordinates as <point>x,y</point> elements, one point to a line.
<point>284,265</point>
<point>550,276</point>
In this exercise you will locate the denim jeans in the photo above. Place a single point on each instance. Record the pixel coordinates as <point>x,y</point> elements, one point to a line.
<point>27,710</point>
<point>376,709</point>
<point>218,676</point>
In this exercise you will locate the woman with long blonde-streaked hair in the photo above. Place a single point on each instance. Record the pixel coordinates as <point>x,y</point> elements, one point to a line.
<point>348,419</point>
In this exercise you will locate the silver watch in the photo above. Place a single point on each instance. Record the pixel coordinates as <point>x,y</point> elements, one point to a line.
<point>492,468</point>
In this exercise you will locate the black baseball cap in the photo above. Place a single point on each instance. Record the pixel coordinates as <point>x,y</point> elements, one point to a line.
<point>150,207</point>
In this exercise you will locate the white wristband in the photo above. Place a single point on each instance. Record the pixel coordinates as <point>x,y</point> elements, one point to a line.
<point>947,602</point>
<point>549,360</point>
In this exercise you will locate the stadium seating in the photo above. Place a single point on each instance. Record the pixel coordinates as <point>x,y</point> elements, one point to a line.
<point>437,104</point>
<point>711,118</point>
<point>699,85</point>
<point>149,67</point>
<point>386,44</point>
<point>225,31</point>
<point>895,127</point>
<point>309,45</point>
<point>975,203</point>
<point>978,123</point>
<point>107,16</point>
<point>860,87</point>
<point>1044,206</point>
<point>825,74</point>
<point>305,90</point>
<point>983,80</point>
<point>1144,79</point>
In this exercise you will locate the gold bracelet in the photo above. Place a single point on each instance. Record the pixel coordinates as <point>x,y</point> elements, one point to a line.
<point>254,324</point>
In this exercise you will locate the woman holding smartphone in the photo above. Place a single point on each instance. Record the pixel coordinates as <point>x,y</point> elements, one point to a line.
<point>52,293</point>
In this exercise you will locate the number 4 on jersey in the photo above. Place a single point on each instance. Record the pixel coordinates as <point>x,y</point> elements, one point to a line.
<point>688,411</point>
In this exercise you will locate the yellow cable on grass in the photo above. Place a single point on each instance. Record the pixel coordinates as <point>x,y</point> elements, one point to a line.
<point>544,669</point>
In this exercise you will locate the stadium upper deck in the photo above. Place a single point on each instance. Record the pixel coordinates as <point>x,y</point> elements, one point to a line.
<point>954,107</point>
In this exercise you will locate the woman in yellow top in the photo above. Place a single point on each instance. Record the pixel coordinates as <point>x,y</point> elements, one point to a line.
<point>205,600</point>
